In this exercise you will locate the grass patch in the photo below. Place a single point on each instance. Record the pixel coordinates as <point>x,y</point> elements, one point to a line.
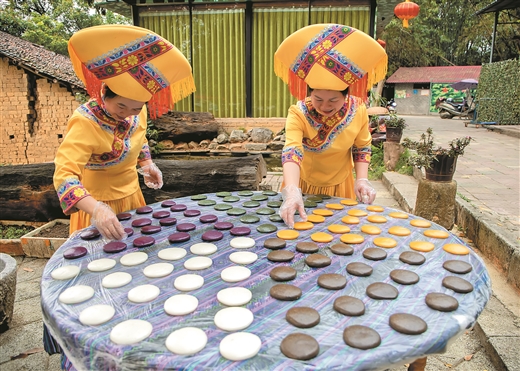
<point>14,231</point>
<point>377,164</point>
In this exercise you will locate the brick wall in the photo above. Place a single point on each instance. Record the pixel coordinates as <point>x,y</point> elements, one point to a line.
<point>53,106</point>
<point>275,124</point>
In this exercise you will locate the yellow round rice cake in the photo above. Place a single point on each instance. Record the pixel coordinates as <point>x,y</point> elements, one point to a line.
<point>357,212</point>
<point>315,218</point>
<point>323,212</point>
<point>350,220</point>
<point>398,215</point>
<point>337,228</point>
<point>321,237</point>
<point>370,229</point>
<point>399,231</point>
<point>349,202</point>
<point>303,226</point>
<point>375,208</point>
<point>376,219</point>
<point>352,238</point>
<point>287,234</point>
<point>436,233</point>
<point>422,246</point>
<point>385,242</point>
<point>456,249</point>
<point>420,223</point>
<point>335,206</point>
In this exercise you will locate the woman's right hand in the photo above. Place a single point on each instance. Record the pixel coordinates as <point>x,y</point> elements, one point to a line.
<point>106,222</point>
<point>292,202</point>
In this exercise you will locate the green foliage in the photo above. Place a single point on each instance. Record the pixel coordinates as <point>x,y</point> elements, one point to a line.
<point>14,231</point>
<point>377,165</point>
<point>394,121</point>
<point>498,94</point>
<point>427,151</point>
<point>402,166</point>
<point>51,23</point>
<point>152,134</point>
<point>446,32</point>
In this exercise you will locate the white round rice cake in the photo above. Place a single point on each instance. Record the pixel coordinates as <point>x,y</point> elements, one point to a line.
<point>243,257</point>
<point>66,272</point>
<point>158,270</point>
<point>115,280</point>
<point>101,265</point>
<point>235,274</point>
<point>143,293</point>
<point>131,331</point>
<point>198,263</point>
<point>203,248</point>
<point>180,304</point>
<point>234,296</point>
<point>134,258</point>
<point>188,282</point>
<point>242,242</point>
<point>76,294</point>
<point>186,341</point>
<point>172,253</point>
<point>96,314</point>
<point>233,318</point>
<point>239,346</point>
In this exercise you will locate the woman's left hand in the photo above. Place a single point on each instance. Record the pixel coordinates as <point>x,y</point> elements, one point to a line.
<point>364,191</point>
<point>152,176</point>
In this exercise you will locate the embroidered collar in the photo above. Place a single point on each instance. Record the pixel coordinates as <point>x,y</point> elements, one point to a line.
<point>99,110</point>
<point>331,121</point>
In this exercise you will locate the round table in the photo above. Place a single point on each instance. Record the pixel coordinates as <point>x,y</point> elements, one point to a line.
<point>90,347</point>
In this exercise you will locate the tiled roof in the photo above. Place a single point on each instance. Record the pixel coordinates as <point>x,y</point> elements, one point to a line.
<point>447,74</point>
<point>37,59</point>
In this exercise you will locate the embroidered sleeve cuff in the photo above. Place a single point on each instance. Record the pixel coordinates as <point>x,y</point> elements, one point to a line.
<point>69,193</point>
<point>292,154</point>
<point>362,154</point>
<point>145,153</point>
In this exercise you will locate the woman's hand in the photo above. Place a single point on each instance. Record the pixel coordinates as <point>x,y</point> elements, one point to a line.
<point>364,191</point>
<point>106,222</point>
<point>292,201</point>
<point>152,176</point>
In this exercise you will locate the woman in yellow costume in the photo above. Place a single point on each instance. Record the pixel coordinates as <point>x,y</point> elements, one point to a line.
<point>327,132</point>
<point>124,68</point>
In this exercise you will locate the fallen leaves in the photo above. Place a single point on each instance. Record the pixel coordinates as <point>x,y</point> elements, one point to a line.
<point>27,352</point>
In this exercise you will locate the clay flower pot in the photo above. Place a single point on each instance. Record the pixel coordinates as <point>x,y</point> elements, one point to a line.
<point>393,134</point>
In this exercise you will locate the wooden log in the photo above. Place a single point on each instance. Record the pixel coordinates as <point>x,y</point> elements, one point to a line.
<point>207,175</point>
<point>27,192</point>
<point>186,126</point>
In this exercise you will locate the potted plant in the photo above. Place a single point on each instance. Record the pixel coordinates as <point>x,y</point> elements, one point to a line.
<point>439,163</point>
<point>394,128</point>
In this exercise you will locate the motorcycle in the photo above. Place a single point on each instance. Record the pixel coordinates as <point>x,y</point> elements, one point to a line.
<point>391,106</point>
<point>449,109</point>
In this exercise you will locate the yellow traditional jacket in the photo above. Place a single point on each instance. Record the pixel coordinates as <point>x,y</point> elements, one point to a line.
<point>98,156</point>
<point>326,148</point>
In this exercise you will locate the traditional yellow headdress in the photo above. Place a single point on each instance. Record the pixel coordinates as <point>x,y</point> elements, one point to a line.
<point>134,63</point>
<point>331,57</point>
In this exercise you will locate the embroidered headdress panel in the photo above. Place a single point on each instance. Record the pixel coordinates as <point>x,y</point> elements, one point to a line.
<point>133,62</point>
<point>331,57</point>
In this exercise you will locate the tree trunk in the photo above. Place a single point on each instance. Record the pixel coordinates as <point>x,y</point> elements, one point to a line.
<point>186,126</point>
<point>27,191</point>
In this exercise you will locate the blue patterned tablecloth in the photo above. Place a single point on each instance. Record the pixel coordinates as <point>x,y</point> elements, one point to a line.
<point>90,347</point>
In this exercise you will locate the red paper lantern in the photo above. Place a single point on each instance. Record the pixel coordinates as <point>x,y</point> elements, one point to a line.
<point>406,10</point>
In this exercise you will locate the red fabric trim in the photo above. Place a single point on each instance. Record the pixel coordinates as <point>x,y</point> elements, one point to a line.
<point>359,88</point>
<point>297,86</point>
<point>92,83</point>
